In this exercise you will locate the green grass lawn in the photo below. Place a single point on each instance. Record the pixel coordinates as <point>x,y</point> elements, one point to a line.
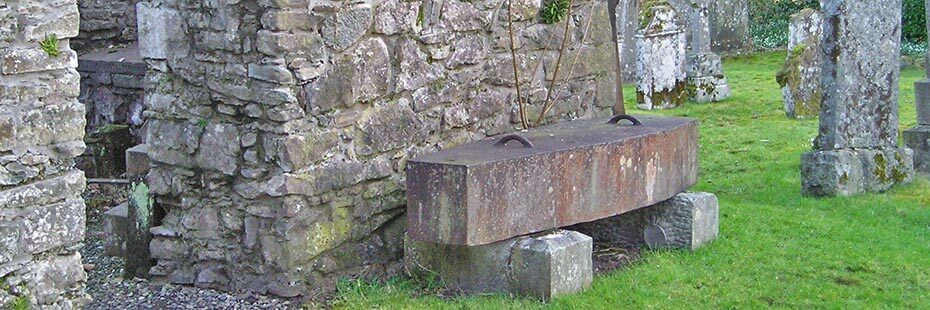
<point>776,248</point>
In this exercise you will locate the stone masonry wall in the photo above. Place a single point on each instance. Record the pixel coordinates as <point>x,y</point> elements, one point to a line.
<point>105,23</point>
<point>41,131</point>
<point>279,129</point>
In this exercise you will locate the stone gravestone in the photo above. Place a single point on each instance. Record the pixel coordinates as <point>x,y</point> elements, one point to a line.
<point>660,60</point>
<point>918,138</point>
<point>729,25</point>
<point>857,150</point>
<point>706,81</point>
<point>799,78</point>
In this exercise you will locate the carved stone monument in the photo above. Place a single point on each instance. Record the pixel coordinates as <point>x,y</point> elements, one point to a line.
<point>660,61</point>
<point>799,78</point>
<point>856,150</point>
<point>706,81</point>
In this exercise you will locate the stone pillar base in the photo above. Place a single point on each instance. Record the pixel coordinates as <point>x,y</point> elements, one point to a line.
<point>706,81</point>
<point>687,221</point>
<point>116,229</point>
<point>708,89</point>
<point>918,139</point>
<point>541,266</point>
<point>847,172</point>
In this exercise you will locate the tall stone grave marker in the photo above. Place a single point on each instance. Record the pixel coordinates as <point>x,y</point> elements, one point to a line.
<point>918,138</point>
<point>41,132</point>
<point>706,81</point>
<point>799,78</point>
<point>857,150</point>
<point>660,60</point>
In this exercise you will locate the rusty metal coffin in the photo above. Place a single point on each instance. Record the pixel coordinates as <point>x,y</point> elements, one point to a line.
<point>576,172</point>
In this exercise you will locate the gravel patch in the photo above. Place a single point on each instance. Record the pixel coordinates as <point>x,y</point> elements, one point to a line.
<point>109,290</point>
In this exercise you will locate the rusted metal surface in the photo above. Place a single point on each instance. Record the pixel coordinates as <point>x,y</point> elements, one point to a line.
<point>574,172</point>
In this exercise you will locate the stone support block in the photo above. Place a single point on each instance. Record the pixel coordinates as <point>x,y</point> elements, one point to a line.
<point>918,139</point>
<point>541,266</point>
<point>687,221</point>
<point>847,172</point>
<point>116,228</point>
<point>137,160</point>
<point>552,265</point>
<point>660,62</point>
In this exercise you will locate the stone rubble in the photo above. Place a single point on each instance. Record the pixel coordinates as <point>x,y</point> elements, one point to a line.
<point>41,132</point>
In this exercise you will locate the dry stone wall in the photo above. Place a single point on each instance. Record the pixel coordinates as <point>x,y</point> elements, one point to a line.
<point>279,130</point>
<point>41,132</point>
<point>105,23</point>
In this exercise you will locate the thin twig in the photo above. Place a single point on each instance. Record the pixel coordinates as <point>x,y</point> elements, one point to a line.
<point>571,69</point>
<point>516,73</point>
<point>558,65</point>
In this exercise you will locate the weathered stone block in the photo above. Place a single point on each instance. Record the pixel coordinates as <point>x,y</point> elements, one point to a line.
<point>686,221</point>
<point>729,25</point>
<point>51,278</point>
<point>800,76</point>
<point>137,160</point>
<point>542,266</point>
<point>19,61</point>
<point>918,139</point>
<point>552,265</point>
<point>116,228</point>
<point>160,28</point>
<point>846,172</point>
<point>481,192</point>
<point>45,192</point>
<point>20,127</point>
<point>52,226</point>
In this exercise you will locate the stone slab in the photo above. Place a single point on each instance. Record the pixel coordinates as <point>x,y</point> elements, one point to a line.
<point>578,171</point>
<point>708,89</point>
<point>541,266</point>
<point>861,69</point>
<point>125,60</point>
<point>848,172</point>
<point>687,221</point>
<point>116,228</point>
<point>553,265</point>
<point>922,99</point>
<point>918,139</point>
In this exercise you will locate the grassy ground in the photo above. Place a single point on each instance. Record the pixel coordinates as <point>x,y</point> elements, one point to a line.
<point>776,248</point>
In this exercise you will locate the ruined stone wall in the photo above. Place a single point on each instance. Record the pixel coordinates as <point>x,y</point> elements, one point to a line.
<point>105,23</point>
<point>279,130</point>
<point>41,131</point>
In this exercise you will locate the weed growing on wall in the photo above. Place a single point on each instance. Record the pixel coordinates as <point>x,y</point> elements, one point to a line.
<point>50,45</point>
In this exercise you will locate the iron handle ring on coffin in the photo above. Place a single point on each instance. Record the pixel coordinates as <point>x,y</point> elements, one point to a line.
<point>616,119</point>
<point>515,137</point>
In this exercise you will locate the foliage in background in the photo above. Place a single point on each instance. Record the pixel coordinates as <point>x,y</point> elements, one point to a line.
<point>769,23</point>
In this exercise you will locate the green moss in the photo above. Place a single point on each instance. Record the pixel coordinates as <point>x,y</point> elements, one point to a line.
<point>789,73</point>
<point>881,168</point>
<point>421,16</point>
<point>19,303</point>
<point>647,11</point>
<point>50,45</point>
<point>139,195</point>
<point>554,11</point>
<point>202,124</point>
